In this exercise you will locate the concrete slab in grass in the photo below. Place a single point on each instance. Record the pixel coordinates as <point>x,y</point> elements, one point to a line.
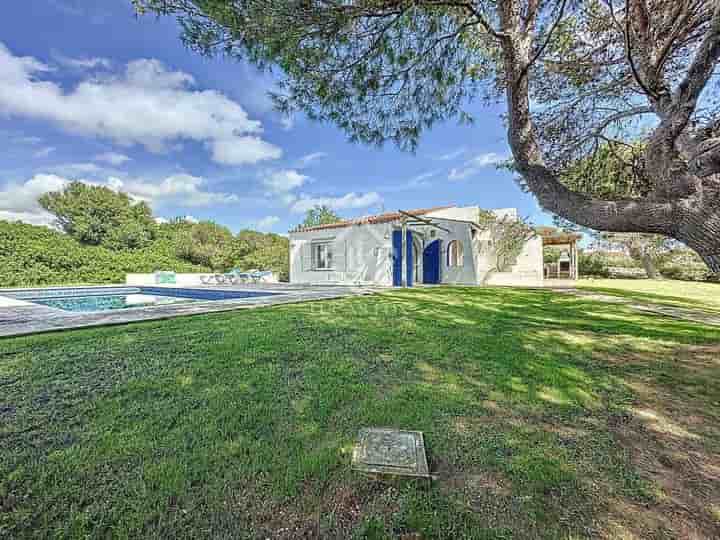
<point>391,452</point>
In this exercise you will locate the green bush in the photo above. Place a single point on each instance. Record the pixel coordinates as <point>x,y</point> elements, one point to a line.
<point>34,256</point>
<point>593,264</point>
<point>684,264</point>
<point>37,256</point>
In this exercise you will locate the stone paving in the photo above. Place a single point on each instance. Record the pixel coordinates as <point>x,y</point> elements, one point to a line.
<point>22,318</point>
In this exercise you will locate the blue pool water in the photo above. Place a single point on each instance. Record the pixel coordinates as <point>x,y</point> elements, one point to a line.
<point>91,299</point>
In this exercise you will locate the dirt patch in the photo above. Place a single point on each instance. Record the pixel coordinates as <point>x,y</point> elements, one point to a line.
<point>672,441</point>
<point>475,485</point>
<point>336,513</point>
<point>686,477</point>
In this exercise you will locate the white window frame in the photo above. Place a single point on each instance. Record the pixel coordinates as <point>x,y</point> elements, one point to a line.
<point>327,261</point>
<point>455,254</point>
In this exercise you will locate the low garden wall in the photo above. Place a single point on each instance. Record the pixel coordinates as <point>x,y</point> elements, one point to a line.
<point>180,280</point>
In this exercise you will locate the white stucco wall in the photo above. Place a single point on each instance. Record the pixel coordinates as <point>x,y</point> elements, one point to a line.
<point>460,231</point>
<point>362,254</point>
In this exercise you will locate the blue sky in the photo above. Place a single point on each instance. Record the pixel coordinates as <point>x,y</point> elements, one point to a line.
<point>90,92</point>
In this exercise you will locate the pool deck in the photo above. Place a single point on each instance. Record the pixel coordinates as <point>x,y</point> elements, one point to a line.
<point>18,317</point>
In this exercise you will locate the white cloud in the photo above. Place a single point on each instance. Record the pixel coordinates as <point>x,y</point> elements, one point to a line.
<point>147,104</point>
<point>33,218</point>
<point>266,223</point>
<point>44,152</point>
<point>82,63</point>
<point>183,189</point>
<point>284,180</point>
<point>287,122</point>
<point>309,158</point>
<point>473,166</point>
<point>348,201</point>
<point>113,158</point>
<point>20,201</point>
<point>421,179</point>
<point>188,218</point>
<point>488,159</point>
<point>239,150</point>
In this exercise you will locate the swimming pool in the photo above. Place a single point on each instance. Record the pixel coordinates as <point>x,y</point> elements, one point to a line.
<point>91,299</point>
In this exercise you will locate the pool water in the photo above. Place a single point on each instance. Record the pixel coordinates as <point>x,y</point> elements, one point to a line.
<point>90,299</point>
<point>110,302</point>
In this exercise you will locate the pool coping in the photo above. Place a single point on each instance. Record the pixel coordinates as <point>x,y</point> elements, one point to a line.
<point>30,318</point>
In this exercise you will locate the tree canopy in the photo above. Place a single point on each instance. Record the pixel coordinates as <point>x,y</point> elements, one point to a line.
<point>320,215</point>
<point>595,71</point>
<point>96,215</point>
<point>109,234</point>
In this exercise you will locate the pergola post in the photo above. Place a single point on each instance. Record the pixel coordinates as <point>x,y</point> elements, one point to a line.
<point>574,260</point>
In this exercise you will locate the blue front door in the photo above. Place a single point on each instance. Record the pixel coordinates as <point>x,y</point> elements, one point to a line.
<point>410,264</point>
<point>397,258</point>
<point>431,262</point>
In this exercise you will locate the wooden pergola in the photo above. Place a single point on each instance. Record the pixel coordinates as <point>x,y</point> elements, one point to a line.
<point>552,236</point>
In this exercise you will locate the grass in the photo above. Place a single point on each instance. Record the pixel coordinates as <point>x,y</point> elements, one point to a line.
<point>546,416</point>
<point>685,294</point>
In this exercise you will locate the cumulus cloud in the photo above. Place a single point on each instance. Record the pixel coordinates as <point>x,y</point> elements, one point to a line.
<point>20,201</point>
<point>348,201</point>
<point>147,104</point>
<point>283,181</point>
<point>33,218</point>
<point>475,165</point>
<point>113,158</point>
<point>82,63</point>
<point>182,189</point>
<point>266,223</point>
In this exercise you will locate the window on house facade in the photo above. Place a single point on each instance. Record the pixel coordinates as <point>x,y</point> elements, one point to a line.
<point>322,255</point>
<point>455,253</point>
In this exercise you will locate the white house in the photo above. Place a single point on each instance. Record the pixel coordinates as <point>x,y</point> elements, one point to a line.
<point>428,246</point>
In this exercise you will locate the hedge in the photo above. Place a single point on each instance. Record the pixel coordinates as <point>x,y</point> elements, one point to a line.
<point>33,256</point>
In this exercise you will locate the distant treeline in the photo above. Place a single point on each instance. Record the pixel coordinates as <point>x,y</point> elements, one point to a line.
<point>105,234</point>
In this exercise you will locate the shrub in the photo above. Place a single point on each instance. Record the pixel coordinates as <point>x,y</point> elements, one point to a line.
<point>36,256</point>
<point>684,264</point>
<point>593,264</point>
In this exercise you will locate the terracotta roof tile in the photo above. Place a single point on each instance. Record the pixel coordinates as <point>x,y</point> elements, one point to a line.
<point>371,220</point>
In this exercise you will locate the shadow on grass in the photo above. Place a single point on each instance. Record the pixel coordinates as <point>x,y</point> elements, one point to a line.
<point>242,424</point>
<point>658,298</point>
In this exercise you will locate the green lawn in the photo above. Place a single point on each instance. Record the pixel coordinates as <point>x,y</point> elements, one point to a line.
<point>546,416</point>
<point>686,294</point>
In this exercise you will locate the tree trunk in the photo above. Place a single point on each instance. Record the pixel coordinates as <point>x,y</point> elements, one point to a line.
<point>692,216</point>
<point>700,231</point>
<point>649,266</point>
